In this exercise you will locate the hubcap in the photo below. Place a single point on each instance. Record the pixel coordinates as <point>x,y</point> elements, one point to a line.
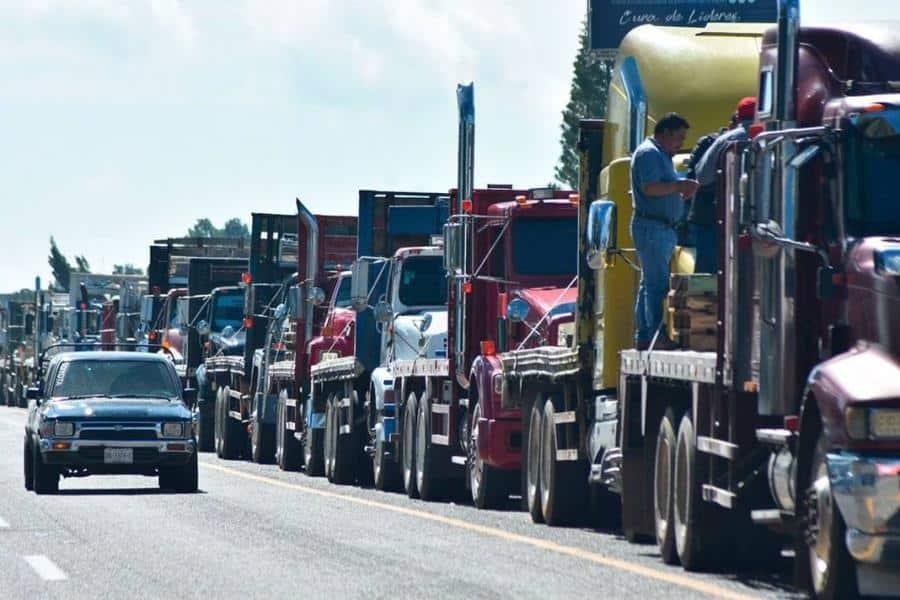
<point>663,486</point>
<point>820,520</point>
<point>533,459</point>
<point>421,431</point>
<point>546,459</point>
<point>476,465</point>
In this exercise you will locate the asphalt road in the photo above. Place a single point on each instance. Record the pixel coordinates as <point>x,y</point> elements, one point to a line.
<point>255,531</point>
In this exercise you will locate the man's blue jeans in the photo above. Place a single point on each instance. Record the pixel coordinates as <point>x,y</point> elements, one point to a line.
<point>655,242</point>
<point>706,260</point>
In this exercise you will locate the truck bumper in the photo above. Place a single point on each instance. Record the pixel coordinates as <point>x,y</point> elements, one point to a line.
<point>867,491</point>
<point>500,443</point>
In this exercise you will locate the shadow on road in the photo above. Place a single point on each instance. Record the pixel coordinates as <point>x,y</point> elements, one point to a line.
<point>122,492</point>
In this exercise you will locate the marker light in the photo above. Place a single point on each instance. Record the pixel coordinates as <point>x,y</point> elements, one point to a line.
<point>502,302</point>
<point>467,206</point>
<point>488,348</point>
<point>247,278</point>
<point>874,107</point>
<point>467,287</point>
<point>248,322</point>
<point>575,199</point>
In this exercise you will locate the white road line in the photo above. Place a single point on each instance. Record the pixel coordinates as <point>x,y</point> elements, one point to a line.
<point>3,524</point>
<point>45,568</point>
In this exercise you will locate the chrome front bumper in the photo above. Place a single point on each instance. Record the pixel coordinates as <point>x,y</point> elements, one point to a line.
<point>162,446</point>
<point>867,491</point>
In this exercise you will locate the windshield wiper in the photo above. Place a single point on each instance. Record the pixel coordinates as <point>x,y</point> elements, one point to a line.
<point>158,396</point>
<point>83,396</point>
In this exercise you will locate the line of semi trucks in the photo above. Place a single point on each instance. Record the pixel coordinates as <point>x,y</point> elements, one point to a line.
<point>481,340</point>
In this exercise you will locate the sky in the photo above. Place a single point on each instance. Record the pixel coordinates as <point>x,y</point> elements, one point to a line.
<point>125,121</point>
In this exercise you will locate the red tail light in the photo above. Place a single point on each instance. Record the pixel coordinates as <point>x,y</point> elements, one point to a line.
<point>488,348</point>
<point>502,304</point>
<point>467,206</point>
<point>248,322</point>
<point>247,278</point>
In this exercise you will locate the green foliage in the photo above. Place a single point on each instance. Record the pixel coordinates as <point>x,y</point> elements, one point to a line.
<point>60,266</point>
<point>82,265</point>
<point>587,99</point>
<point>233,228</point>
<point>127,269</point>
<point>23,295</point>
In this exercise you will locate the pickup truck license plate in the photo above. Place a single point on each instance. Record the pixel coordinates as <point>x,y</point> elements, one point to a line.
<point>118,456</point>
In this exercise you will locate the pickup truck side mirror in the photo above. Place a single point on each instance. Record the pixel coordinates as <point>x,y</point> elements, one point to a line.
<point>33,393</point>
<point>189,395</point>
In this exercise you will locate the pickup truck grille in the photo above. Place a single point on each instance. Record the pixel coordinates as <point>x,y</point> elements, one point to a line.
<point>118,435</point>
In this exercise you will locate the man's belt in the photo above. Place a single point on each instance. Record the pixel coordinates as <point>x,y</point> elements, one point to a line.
<point>658,218</point>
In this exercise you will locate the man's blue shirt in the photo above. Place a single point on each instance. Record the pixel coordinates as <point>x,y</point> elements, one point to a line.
<point>651,164</point>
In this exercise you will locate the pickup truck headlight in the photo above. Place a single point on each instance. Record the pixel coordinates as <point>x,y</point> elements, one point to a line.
<point>173,430</point>
<point>63,429</point>
<point>48,428</point>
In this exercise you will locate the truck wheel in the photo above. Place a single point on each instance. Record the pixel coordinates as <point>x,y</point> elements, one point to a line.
<point>533,463</point>
<point>832,573</point>
<point>262,443</point>
<point>206,434</point>
<point>488,485</point>
<point>430,480</point>
<point>219,422</point>
<point>231,430</point>
<point>407,449</point>
<point>28,464</point>
<point>46,477</point>
<point>663,496</point>
<point>287,447</point>
<point>384,470</point>
<point>313,451</point>
<point>697,536</point>
<point>559,487</point>
<point>342,456</point>
<point>330,446</point>
<point>21,399</point>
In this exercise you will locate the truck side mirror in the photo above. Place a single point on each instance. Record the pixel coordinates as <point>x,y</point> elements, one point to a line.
<point>453,234</point>
<point>601,232</point>
<point>250,300</point>
<point>383,312</point>
<point>203,328</point>
<point>316,296</point>
<point>518,310</point>
<point>296,302</point>
<point>359,285</point>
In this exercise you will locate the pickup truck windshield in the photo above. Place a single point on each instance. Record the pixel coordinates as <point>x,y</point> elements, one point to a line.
<point>422,281</point>
<point>545,246</point>
<point>874,209</point>
<point>112,378</point>
<point>228,310</point>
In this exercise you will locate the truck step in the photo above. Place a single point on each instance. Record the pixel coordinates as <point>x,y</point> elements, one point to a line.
<point>774,437</point>
<point>290,402</point>
<point>344,403</point>
<point>440,409</point>
<point>236,415</point>
<point>464,402</point>
<point>721,497</point>
<point>720,448</point>
<point>346,429</point>
<point>440,440</point>
<point>768,517</point>
<point>564,417</point>
<point>566,455</point>
<point>458,460</point>
<point>289,426</point>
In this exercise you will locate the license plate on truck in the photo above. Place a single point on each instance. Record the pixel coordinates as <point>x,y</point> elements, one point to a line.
<point>118,456</point>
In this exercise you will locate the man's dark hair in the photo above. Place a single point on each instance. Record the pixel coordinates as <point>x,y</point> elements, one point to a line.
<point>671,122</point>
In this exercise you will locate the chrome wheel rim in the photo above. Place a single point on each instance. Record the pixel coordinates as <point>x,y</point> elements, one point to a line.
<point>421,430</point>
<point>533,458</point>
<point>408,422</point>
<point>663,488</point>
<point>820,521</point>
<point>547,427</point>
<point>476,465</point>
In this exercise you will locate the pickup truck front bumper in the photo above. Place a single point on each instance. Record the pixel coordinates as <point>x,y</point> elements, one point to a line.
<point>867,491</point>
<point>90,454</point>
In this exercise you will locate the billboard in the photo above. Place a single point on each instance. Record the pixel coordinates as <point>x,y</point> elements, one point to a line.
<point>610,20</point>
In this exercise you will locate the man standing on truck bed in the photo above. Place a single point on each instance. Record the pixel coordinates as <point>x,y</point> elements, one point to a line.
<point>658,194</point>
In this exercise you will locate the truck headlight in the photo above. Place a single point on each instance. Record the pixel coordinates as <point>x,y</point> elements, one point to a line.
<point>857,422</point>
<point>173,430</point>
<point>63,429</point>
<point>884,423</point>
<point>565,333</point>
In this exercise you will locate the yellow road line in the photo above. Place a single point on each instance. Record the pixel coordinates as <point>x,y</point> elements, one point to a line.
<point>684,581</point>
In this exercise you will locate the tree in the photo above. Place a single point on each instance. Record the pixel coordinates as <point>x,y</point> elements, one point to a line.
<point>587,99</point>
<point>60,266</point>
<point>127,269</point>
<point>233,228</point>
<point>82,265</point>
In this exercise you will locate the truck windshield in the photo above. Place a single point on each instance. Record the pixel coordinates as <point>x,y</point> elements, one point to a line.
<point>343,294</point>
<point>422,281</point>
<point>112,378</point>
<point>545,246</point>
<point>228,310</point>
<point>875,209</point>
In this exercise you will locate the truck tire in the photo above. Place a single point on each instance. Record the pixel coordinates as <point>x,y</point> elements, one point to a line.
<point>431,480</point>
<point>262,443</point>
<point>28,465</point>
<point>287,448</point>
<point>487,484</point>
<point>231,430</point>
<point>560,488</point>
<point>663,493</point>
<point>533,463</point>
<point>313,451</point>
<point>385,472</point>
<point>46,477</point>
<point>408,446</point>
<point>218,422</point>
<point>342,457</point>
<point>830,568</point>
<point>206,428</point>
<point>698,536</point>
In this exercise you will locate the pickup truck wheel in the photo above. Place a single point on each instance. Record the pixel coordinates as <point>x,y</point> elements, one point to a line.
<point>561,490</point>
<point>46,477</point>
<point>185,480</point>
<point>206,419</point>
<point>385,473</point>
<point>287,451</point>
<point>663,496</point>
<point>533,463</point>
<point>699,538</point>
<point>28,464</point>
<point>430,481</point>
<point>488,485</point>
<point>408,447</point>
<point>832,573</point>
<point>313,451</point>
